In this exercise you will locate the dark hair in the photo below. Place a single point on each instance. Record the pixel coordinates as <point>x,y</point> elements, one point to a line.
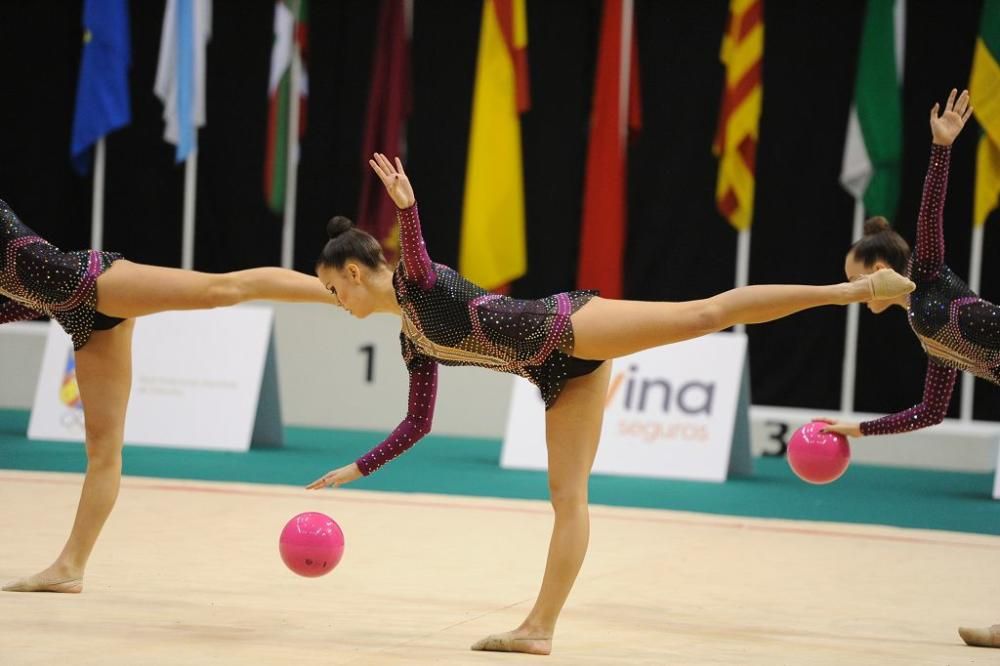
<point>880,242</point>
<point>348,242</point>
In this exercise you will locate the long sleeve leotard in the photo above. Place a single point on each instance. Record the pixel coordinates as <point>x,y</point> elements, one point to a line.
<point>448,320</point>
<point>958,329</point>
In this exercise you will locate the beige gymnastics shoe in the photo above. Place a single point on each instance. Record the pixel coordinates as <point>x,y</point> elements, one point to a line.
<point>886,283</point>
<point>507,642</point>
<point>33,584</point>
<point>985,637</point>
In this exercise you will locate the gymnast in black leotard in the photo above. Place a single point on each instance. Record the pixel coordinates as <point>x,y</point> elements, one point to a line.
<point>95,296</point>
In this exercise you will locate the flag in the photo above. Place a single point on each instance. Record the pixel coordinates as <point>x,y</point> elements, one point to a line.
<point>984,91</point>
<point>874,144</point>
<point>615,110</point>
<point>389,105</point>
<point>180,73</point>
<point>742,54</point>
<point>102,91</point>
<point>492,249</point>
<point>291,32</point>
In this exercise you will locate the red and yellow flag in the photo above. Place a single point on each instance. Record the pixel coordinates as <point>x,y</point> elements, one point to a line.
<point>492,249</point>
<point>742,54</point>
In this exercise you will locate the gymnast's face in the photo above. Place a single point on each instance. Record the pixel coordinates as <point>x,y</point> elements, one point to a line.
<point>855,270</point>
<point>352,287</point>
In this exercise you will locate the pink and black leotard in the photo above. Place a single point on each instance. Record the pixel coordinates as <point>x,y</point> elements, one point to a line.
<point>447,319</point>
<point>37,279</point>
<point>958,329</point>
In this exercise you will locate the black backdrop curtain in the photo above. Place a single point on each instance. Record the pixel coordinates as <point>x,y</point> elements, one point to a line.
<point>678,245</point>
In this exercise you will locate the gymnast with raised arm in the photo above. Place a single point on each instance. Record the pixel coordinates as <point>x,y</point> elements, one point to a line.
<point>958,330</point>
<point>560,343</point>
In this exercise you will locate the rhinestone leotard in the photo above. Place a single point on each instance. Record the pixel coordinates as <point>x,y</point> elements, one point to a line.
<point>447,319</point>
<point>37,279</point>
<point>958,330</point>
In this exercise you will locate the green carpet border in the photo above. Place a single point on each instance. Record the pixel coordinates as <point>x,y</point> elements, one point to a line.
<point>866,494</point>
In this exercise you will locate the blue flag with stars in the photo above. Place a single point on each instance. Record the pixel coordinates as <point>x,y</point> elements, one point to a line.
<point>102,93</point>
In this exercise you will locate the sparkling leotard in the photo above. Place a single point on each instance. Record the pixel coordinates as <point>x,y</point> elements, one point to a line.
<point>447,319</point>
<point>958,330</point>
<point>38,279</point>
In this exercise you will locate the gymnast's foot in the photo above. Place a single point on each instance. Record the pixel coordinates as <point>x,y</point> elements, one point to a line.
<point>53,579</point>
<point>981,637</point>
<point>886,283</point>
<point>519,640</point>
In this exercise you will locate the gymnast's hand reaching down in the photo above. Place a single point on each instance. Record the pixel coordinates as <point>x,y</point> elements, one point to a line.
<point>337,477</point>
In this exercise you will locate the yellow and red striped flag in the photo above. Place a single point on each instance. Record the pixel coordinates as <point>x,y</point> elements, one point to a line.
<point>742,54</point>
<point>492,249</point>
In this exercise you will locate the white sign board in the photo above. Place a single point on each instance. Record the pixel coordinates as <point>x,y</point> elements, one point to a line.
<point>348,374</point>
<point>671,412</point>
<point>200,379</point>
<point>996,477</point>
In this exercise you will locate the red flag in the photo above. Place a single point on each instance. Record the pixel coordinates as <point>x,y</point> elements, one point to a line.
<point>616,110</point>
<point>389,104</point>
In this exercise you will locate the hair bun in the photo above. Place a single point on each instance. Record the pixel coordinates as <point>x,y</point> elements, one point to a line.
<point>876,225</point>
<point>338,225</point>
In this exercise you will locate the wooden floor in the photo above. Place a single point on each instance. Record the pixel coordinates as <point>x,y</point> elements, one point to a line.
<point>188,573</point>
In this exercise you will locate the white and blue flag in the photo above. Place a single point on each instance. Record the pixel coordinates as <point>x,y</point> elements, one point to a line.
<point>180,74</point>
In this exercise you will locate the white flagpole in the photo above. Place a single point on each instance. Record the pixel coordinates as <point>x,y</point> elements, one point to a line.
<point>292,153</point>
<point>202,29</point>
<point>97,205</point>
<point>190,191</point>
<point>742,266</point>
<point>975,277</point>
<point>624,71</point>
<point>848,377</point>
<point>849,371</point>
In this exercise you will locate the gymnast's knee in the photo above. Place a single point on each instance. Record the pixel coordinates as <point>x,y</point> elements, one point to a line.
<point>104,437</point>
<point>104,448</point>
<point>566,498</point>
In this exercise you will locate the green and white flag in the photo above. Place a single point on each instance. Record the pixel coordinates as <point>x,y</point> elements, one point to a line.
<point>874,143</point>
<point>290,40</point>
<point>873,147</point>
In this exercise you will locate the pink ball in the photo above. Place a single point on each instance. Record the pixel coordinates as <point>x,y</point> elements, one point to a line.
<point>311,544</point>
<point>816,456</point>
